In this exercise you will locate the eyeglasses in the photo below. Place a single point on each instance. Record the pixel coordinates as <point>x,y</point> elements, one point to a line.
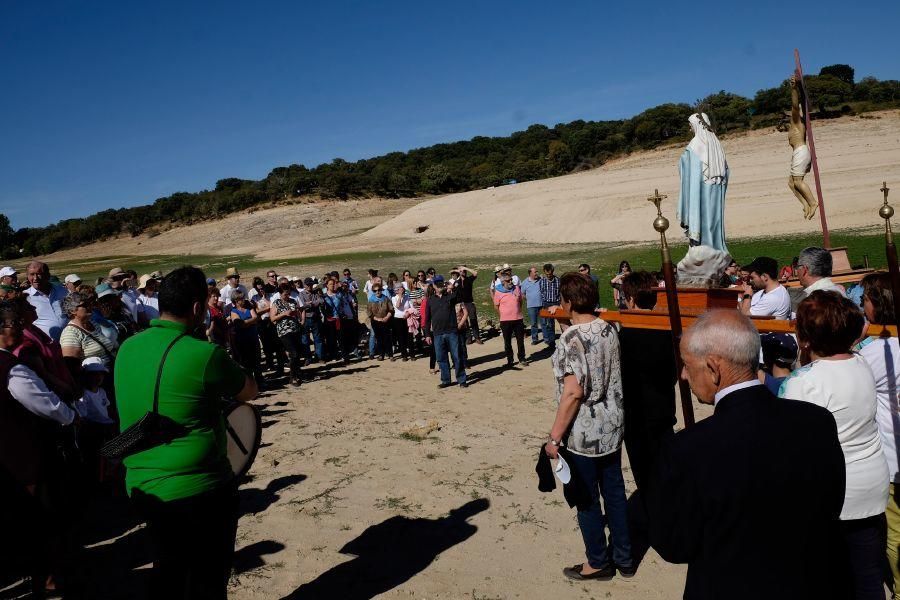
<point>271,275</point>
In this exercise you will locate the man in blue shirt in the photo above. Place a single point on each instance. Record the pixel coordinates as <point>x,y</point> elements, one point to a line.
<point>46,298</point>
<point>531,289</point>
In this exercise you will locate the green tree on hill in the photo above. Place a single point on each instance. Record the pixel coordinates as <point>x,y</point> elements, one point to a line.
<point>843,72</point>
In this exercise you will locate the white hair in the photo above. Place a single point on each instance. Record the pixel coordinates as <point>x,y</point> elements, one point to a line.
<point>734,338</point>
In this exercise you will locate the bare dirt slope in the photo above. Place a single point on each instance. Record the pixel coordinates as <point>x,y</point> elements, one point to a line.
<point>602,205</point>
<point>608,204</point>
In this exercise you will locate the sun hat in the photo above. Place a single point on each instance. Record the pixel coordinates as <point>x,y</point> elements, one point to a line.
<point>104,289</point>
<point>117,272</point>
<point>93,364</point>
<point>231,272</point>
<point>156,275</point>
<point>72,278</point>
<point>7,272</point>
<point>142,282</point>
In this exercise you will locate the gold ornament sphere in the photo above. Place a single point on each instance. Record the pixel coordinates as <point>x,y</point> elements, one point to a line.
<point>886,211</point>
<point>660,224</point>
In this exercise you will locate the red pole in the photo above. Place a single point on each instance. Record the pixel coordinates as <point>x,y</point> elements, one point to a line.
<point>826,238</point>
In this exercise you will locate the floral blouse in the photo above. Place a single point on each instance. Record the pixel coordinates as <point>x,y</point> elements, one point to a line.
<point>590,352</point>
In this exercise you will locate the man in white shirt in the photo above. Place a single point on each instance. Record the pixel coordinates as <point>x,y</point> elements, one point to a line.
<point>234,283</point>
<point>147,302</point>
<point>764,296</point>
<point>46,298</point>
<point>814,271</point>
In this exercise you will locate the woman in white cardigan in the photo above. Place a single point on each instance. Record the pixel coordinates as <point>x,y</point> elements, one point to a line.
<point>883,355</point>
<point>828,326</point>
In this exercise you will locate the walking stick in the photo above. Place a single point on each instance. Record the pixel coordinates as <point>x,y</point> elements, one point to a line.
<point>886,212</point>
<point>661,224</point>
<point>811,142</point>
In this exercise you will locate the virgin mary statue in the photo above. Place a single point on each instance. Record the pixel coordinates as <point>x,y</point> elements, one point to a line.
<point>704,181</point>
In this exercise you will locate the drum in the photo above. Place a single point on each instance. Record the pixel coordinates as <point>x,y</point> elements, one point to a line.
<point>243,426</point>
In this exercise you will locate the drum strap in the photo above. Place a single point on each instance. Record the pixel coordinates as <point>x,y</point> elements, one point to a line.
<point>159,373</point>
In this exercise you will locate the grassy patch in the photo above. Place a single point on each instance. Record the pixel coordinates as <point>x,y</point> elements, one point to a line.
<point>397,503</point>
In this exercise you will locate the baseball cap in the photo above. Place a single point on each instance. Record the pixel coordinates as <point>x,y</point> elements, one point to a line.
<point>104,289</point>
<point>7,272</point>
<point>93,364</point>
<point>72,278</point>
<point>210,281</point>
<point>437,279</point>
<point>117,272</point>
<point>780,348</point>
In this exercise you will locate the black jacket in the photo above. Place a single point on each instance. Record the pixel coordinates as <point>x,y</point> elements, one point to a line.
<point>750,499</point>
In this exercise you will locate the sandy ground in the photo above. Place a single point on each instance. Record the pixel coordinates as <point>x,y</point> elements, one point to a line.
<point>603,205</point>
<point>609,203</point>
<point>335,469</point>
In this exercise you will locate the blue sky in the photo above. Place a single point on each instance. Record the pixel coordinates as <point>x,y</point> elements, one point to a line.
<point>111,104</point>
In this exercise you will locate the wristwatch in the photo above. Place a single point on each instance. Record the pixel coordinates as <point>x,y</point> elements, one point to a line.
<point>556,443</point>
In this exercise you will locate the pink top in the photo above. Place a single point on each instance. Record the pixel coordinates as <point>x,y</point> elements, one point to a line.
<point>509,304</point>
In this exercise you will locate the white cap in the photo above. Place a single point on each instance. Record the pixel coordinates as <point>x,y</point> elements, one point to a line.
<point>7,271</point>
<point>72,278</point>
<point>93,364</point>
<point>562,470</point>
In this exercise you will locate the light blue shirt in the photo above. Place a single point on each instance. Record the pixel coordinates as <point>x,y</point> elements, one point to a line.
<point>50,316</point>
<point>532,290</point>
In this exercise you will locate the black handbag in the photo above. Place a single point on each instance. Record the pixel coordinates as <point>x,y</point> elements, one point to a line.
<point>151,430</point>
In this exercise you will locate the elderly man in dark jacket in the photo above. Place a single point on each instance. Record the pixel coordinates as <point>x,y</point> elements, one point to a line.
<point>750,497</point>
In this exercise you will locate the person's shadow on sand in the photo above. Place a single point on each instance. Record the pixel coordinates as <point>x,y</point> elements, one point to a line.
<point>390,553</point>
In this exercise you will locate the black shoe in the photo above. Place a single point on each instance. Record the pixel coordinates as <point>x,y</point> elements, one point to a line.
<point>444,385</point>
<point>626,571</point>
<point>464,385</point>
<point>607,572</point>
<point>510,365</point>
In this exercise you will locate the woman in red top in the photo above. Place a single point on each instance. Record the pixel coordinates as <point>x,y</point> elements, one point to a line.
<point>216,329</point>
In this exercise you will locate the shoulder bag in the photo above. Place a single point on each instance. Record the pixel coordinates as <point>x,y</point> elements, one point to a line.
<point>151,430</point>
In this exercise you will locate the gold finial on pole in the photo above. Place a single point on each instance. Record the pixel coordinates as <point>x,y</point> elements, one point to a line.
<point>886,212</point>
<point>660,223</point>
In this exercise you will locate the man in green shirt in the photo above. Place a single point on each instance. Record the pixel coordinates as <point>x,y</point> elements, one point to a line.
<point>184,489</point>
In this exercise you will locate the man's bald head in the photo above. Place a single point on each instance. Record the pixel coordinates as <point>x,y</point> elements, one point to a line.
<point>719,350</point>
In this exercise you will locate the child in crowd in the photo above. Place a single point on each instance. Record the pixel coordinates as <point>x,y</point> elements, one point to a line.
<point>93,406</point>
<point>779,352</point>
<point>96,426</point>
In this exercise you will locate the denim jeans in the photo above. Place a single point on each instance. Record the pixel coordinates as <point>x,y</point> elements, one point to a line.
<point>312,329</point>
<point>444,343</point>
<point>548,325</point>
<point>534,317</point>
<point>602,475</point>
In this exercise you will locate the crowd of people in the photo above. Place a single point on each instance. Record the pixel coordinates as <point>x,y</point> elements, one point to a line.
<point>800,451</point>
<point>787,490</point>
<point>79,359</point>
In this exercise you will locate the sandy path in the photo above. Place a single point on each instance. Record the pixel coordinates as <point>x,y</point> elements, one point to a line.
<point>334,465</point>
